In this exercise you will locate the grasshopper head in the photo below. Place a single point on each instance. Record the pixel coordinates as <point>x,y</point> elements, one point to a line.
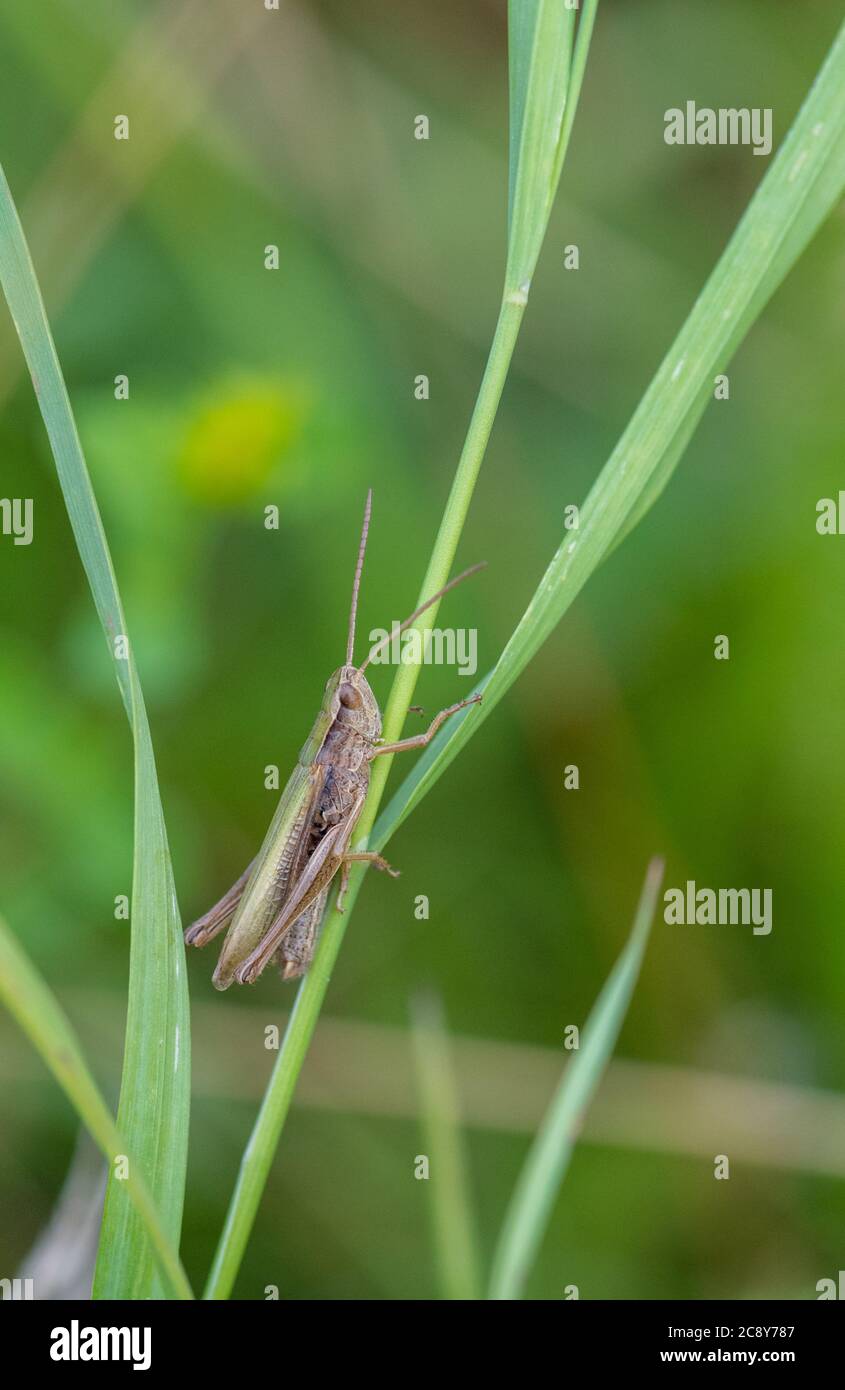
<point>352,702</point>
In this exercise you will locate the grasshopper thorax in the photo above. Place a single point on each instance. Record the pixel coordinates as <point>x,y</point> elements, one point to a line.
<point>352,704</point>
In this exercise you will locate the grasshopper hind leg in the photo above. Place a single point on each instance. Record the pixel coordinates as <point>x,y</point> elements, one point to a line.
<point>205,928</point>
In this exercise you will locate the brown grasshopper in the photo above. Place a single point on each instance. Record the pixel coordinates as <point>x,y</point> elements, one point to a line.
<point>276,907</point>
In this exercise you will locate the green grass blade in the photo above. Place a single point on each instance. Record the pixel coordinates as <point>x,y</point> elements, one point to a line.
<point>540,36</point>
<point>804,183</point>
<point>522,24</point>
<point>583,39</point>
<point>541,113</point>
<point>532,63</point>
<point>155,1088</point>
<point>458,1262</point>
<point>32,1003</point>
<point>545,1167</point>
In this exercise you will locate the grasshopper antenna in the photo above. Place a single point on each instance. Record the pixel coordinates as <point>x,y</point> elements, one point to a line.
<point>356,583</point>
<point>459,578</point>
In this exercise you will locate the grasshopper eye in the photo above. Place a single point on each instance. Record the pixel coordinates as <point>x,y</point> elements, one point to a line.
<point>349,697</point>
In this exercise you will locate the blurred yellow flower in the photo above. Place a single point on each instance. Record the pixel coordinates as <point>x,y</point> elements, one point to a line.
<point>236,437</point>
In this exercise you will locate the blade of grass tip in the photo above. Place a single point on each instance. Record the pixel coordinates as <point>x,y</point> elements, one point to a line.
<point>540,37</point>
<point>541,32</point>
<point>32,1003</point>
<point>545,1167</point>
<point>545,79</point>
<point>155,1085</point>
<point>803,184</point>
<point>456,1251</point>
<point>522,22</point>
<point>583,38</point>
<point>538,95</point>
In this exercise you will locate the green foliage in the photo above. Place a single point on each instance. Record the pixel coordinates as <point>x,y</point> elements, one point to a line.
<point>804,182</point>
<point>177,298</point>
<point>155,1092</point>
<point>31,1002</point>
<point>546,1164</point>
<point>453,1218</point>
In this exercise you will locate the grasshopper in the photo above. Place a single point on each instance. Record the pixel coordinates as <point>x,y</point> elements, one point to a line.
<point>275,909</point>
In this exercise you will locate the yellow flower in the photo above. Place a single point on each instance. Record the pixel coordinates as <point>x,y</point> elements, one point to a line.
<point>237,436</point>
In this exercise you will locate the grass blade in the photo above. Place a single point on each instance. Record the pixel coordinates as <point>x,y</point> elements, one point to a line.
<point>545,1167</point>
<point>522,23</point>
<point>540,36</point>
<point>544,85</point>
<point>458,1262</point>
<point>155,1089</point>
<point>804,183</point>
<point>258,1157</point>
<point>583,39</point>
<point>32,1003</point>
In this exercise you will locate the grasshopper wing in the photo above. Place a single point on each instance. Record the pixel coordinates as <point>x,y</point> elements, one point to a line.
<point>275,870</point>
<point>310,885</point>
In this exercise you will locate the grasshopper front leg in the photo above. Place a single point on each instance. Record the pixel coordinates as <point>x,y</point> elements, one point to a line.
<point>405,745</point>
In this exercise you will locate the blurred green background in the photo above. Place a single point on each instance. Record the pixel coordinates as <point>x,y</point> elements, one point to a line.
<point>294,387</point>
